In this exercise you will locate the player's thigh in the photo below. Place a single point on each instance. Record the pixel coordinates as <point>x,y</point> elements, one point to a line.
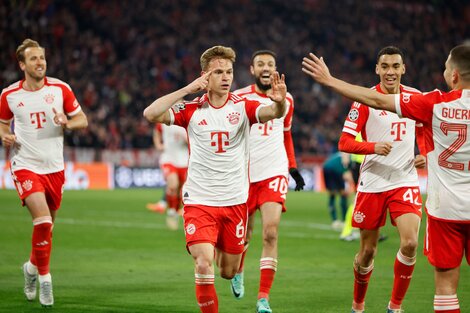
<point>271,214</point>
<point>228,263</point>
<point>370,210</point>
<point>404,200</point>
<point>408,227</point>
<point>232,229</point>
<point>200,225</point>
<point>172,181</point>
<point>37,205</point>
<point>54,189</point>
<point>446,281</point>
<point>444,243</point>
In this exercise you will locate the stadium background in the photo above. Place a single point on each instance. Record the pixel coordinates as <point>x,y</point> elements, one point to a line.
<point>119,56</point>
<point>111,255</point>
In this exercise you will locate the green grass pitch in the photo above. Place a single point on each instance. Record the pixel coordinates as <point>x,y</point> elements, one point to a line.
<point>112,255</point>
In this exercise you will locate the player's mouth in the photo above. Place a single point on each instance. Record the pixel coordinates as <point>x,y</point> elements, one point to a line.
<point>265,78</point>
<point>390,80</point>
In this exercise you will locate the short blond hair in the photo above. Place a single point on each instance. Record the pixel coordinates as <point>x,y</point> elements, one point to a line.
<point>217,52</point>
<point>27,43</point>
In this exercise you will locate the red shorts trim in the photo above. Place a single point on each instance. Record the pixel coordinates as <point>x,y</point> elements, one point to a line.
<point>273,189</point>
<point>223,227</point>
<point>446,243</point>
<point>52,185</point>
<point>370,209</point>
<point>168,169</point>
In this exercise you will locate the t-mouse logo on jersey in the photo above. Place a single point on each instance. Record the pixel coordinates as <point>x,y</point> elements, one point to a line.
<point>220,139</point>
<point>233,118</point>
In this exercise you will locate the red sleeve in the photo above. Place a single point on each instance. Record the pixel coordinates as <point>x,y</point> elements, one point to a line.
<point>348,143</point>
<point>289,146</point>
<point>356,119</point>
<point>251,110</point>
<point>418,107</point>
<point>71,104</point>
<point>421,142</point>
<point>182,113</point>
<point>5,112</point>
<point>290,113</point>
<point>158,128</point>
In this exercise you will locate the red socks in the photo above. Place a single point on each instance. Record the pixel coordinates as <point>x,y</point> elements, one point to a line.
<point>173,201</point>
<point>403,270</point>
<point>446,304</point>
<point>206,295</point>
<point>361,282</point>
<point>268,267</point>
<point>42,243</point>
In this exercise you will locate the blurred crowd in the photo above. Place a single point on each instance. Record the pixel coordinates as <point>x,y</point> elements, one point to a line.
<point>118,56</point>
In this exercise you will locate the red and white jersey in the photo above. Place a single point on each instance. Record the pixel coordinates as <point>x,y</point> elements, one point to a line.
<point>268,156</point>
<point>446,120</point>
<point>175,143</point>
<point>40,140</point>
<point>218,146</point>
<point>382,173</point>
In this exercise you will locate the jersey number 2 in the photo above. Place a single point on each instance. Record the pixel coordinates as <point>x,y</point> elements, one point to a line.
<point>461,130</point>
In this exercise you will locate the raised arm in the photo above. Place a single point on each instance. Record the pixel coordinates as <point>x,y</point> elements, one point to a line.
<point>157,112</point>
<point>316,68</point>
<point>278,96</point>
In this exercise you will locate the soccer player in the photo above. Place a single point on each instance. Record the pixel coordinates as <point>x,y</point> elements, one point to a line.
<point>41,107</point>
<point>388,180</point>
<point>334,169</point>
<point>173,143</point>
<point>446,119</point>
<point>272,158</point>
<point>216,189</point>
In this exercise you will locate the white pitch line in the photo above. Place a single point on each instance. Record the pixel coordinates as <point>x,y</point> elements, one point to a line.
<point>157,225</point>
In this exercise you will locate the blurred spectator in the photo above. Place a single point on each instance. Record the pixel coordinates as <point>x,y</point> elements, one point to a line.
<point>120,55</point>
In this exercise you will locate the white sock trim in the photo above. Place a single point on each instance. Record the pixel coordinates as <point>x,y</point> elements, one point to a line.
<point>405,259</point>
<point>446,302</point>
<point>42,220</point>
<point>43,278</point>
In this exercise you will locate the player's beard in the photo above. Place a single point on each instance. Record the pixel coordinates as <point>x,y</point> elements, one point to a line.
<point>262,86</point>
<point>37,77</point>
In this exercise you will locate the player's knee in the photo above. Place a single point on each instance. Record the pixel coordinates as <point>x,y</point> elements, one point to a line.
<point>270,234</point>
<point>368,254</point>
<point>409,247</point>
<point>203,266</point>
<point>228,272</point>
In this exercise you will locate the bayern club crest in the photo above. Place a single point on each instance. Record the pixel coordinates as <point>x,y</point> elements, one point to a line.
<point>27,185</point>
<point>359,217</point>
<point>233,118</point>
<point>49,98</point>
<point>190,229</point>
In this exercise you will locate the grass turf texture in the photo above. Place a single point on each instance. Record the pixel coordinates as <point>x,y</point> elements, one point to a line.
<point>112,255</point>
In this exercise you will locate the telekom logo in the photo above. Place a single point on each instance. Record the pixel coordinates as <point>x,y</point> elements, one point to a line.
<point>37,118</point>
<point>221,140</point>
<point>266,128</point>
<point>398,130</point>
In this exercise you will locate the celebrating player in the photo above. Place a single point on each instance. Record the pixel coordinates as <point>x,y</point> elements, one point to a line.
<point>41,107</point>
<point>216,189</point>
<point>446,119</point>
<point>271,159</point>
<point>388,180</point>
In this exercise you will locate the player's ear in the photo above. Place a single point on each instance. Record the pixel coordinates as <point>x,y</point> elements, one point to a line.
<point>455,76</point>
<point>404,69</point>
<point>252,70</point>
<point>377,69</point>
<point>22,65</point>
